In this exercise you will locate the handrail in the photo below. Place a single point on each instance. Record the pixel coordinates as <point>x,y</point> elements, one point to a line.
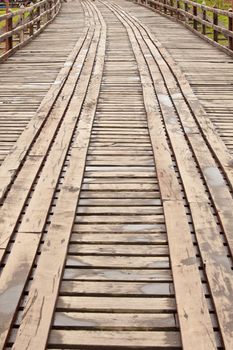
<point>201,19</point>
<point>30,21</point>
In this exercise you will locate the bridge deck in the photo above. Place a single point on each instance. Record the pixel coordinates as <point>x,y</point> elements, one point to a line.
<point>207,69</point>
<point>116,200</point>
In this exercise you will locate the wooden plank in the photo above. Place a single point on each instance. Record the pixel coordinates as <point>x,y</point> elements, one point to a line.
<point>118,261</point>
<point>119,249</point>
<point>115,339</point>
<point>120,228</point>
<point>105,321</point>
<point>120,219</point>
<point>151,238</point>
<point>117,274</point>
<point>15,281</point>
<point>118,304</point>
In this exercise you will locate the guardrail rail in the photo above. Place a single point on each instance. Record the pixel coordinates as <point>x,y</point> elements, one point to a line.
<point>19,27</point>
<point>212,24</point>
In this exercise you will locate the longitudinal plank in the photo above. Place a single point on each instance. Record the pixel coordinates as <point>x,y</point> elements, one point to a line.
<point>193,315</point>
<point>40,312</point>
<point>12,281</point>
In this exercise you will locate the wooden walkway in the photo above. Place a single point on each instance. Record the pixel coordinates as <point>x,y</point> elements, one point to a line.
<point>116,200</point>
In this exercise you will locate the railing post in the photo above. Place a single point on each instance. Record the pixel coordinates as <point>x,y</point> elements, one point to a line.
<point>204,18</point>
<point>161,8</point>
<point>164,7</point>
<point>215,22</point>
<point>38,23</point>
<point>52,2</point>
<point>21,22</point>
<point>31,17</point>
<point>186,8</point>
<point>195,23</point>
<point>177,9</point>
<point>172,5</point>
<point>9,39</point>
<point>230,27</point>
<point>49,10</point>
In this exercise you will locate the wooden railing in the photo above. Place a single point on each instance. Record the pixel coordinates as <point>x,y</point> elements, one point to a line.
<point>211,23</point>
<point>19,27</point>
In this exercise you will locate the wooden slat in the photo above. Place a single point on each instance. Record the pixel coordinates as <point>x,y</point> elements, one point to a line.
<point>117,274</point>
<point>115,339</point>
<point>118,304</point>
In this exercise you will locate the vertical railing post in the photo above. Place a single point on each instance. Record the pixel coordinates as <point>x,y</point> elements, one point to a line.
<point>48,9</point>
<point>230,27</point>
<point>215,22</point>
<point>195,23</point>
<point>186,8</point>
<point>164,7</point>
<point>203,30</point>
<point>52,2</point>
<point>9,39</point>
<point>177,9</point>
<point>38,23</point>
<point>172,5</point>
<point>31,17</point>
<point>21,22</point>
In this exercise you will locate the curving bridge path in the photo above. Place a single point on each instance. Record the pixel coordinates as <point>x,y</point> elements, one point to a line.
<point>116,215</point>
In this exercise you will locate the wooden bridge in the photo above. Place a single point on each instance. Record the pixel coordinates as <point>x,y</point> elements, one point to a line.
<point>116,180</point>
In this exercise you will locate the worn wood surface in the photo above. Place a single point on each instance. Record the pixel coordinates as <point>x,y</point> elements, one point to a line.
<point>27,76</point>
<point>116,201</point>
<point>197,60</point>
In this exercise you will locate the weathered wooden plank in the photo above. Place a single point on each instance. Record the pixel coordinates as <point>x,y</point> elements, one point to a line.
<point>115,339</point>
<point>118,261</point>
<point>105,321</point>
<point>118,304</point>
<point>150,238</point>
<point>118,274</point>
<point>119,249</point>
